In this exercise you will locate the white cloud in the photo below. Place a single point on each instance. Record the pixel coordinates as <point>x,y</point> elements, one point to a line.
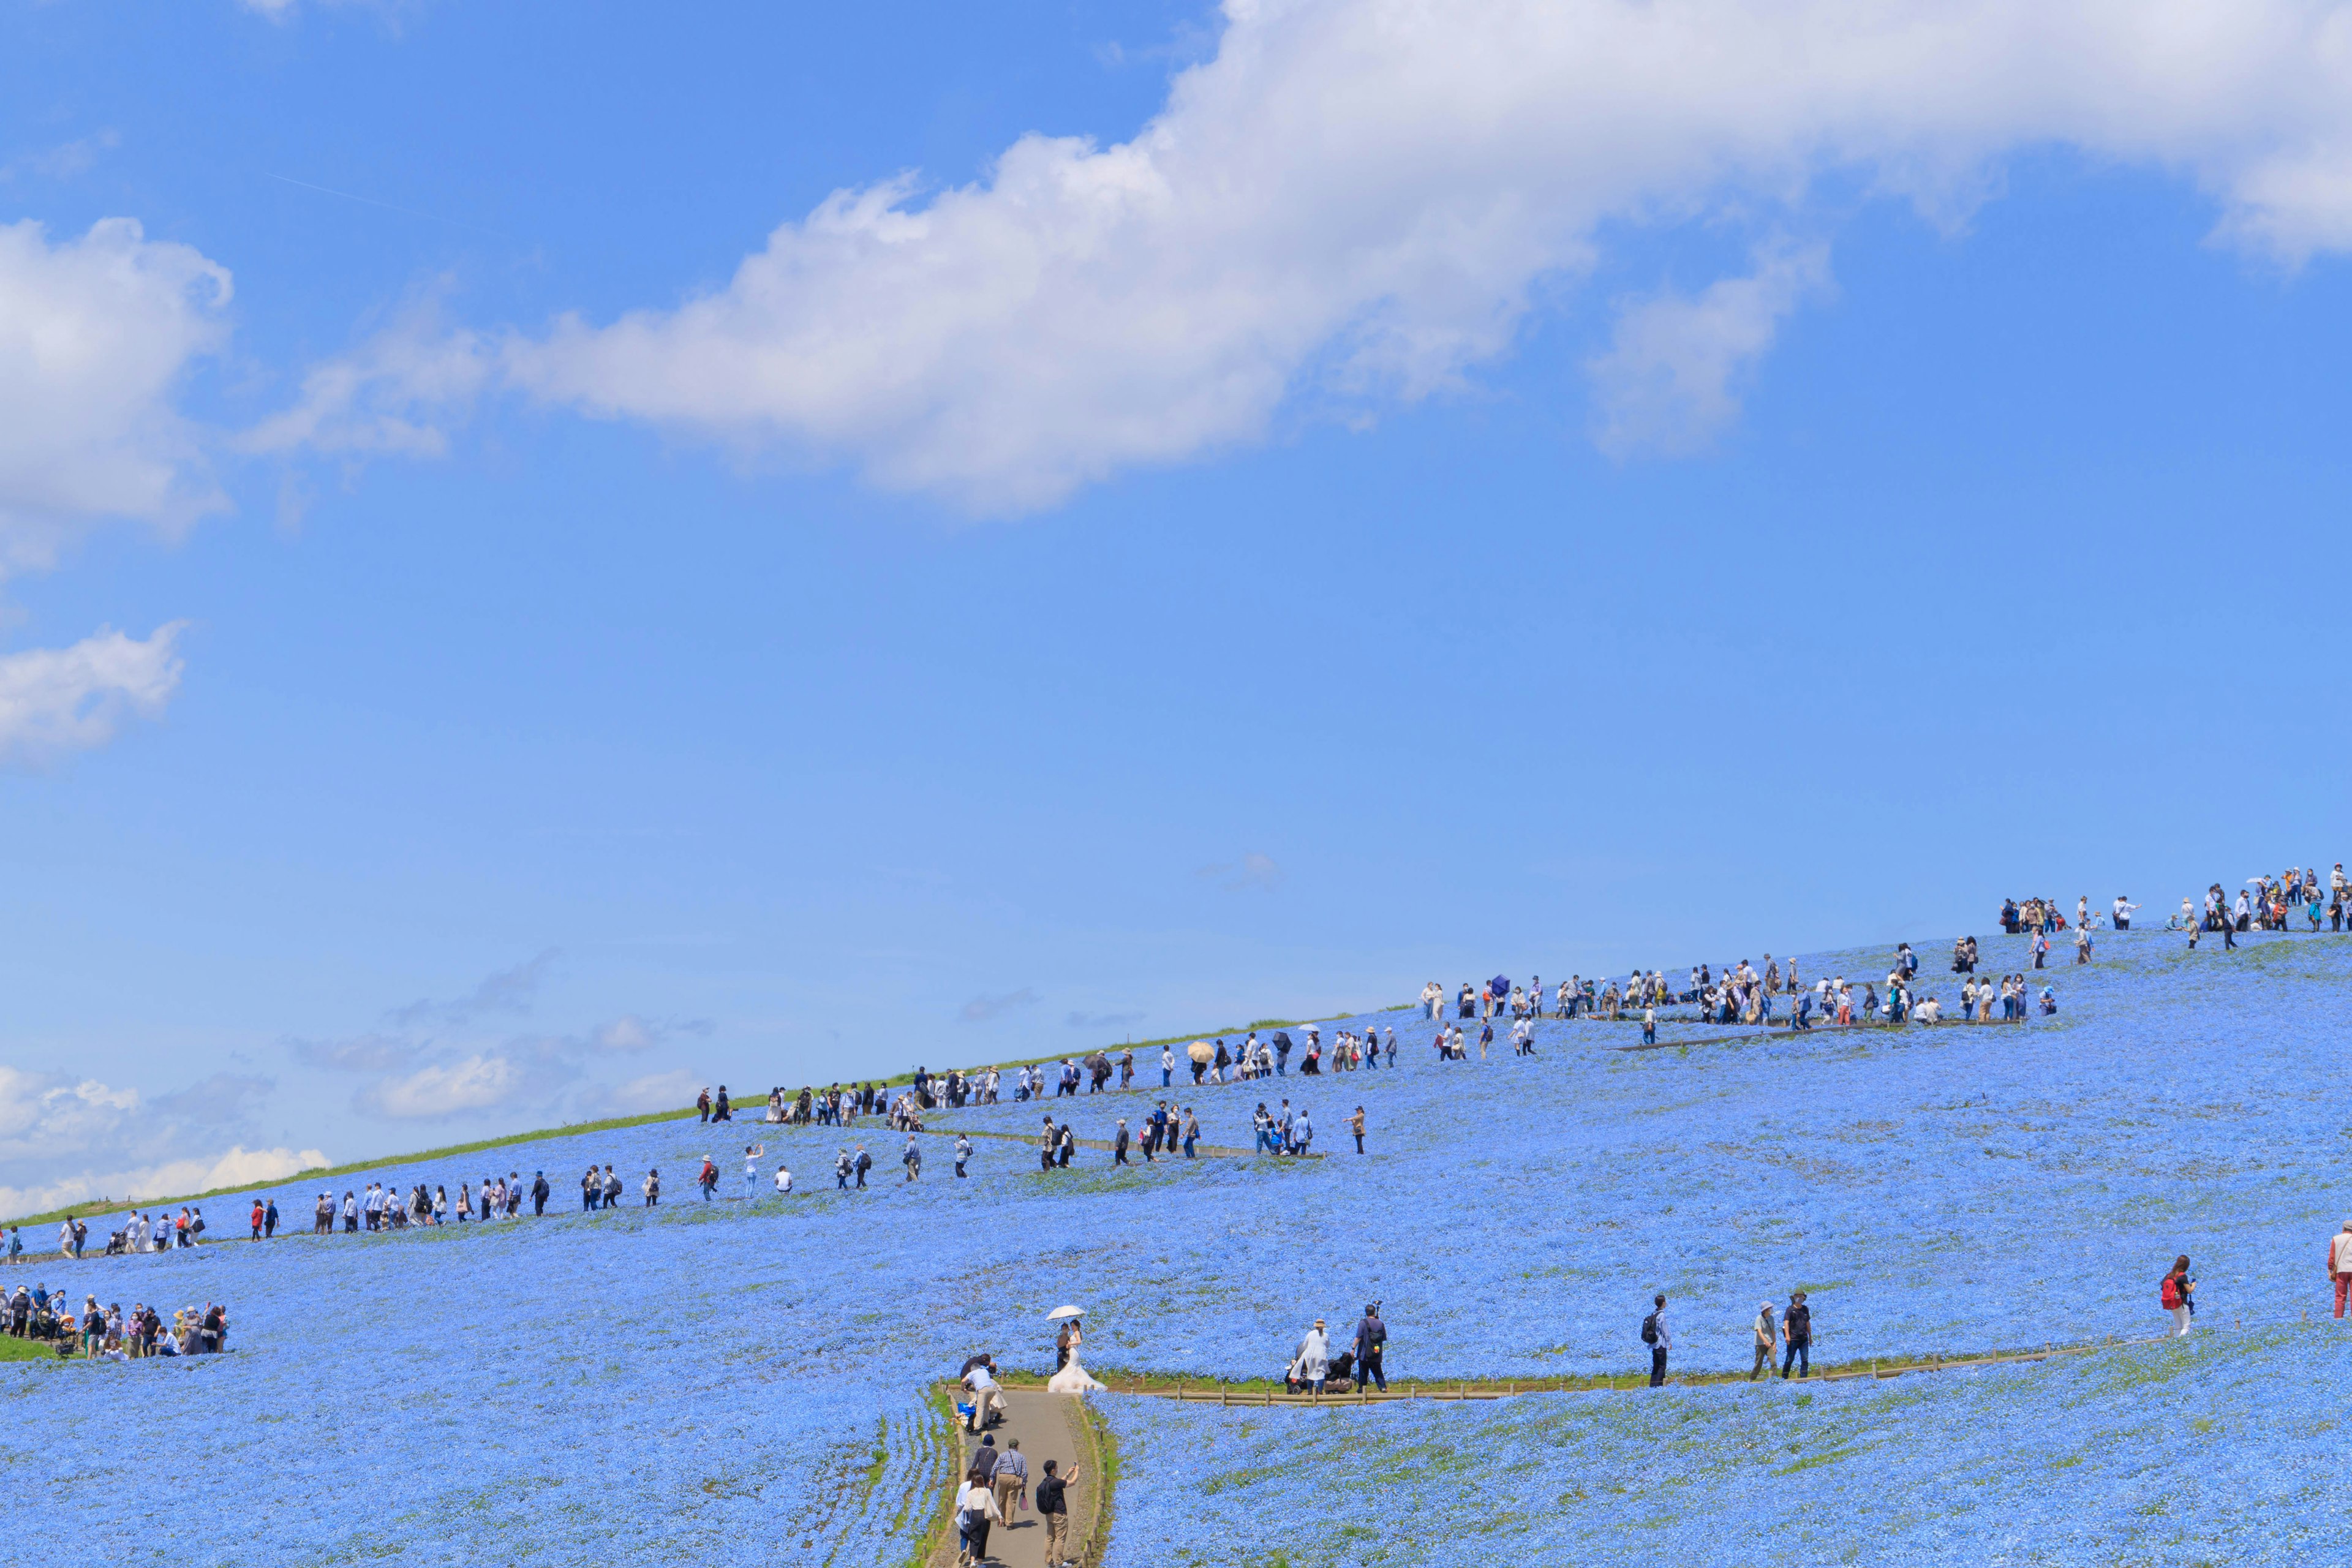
<point>96,336</point>
<point>238,1167</point>
<point>57,700</point>
<point>395,394</point>
<point>1667,383</point>
<point>64,1140</point>
<point>478,1082</point>
<point>1354,198</point>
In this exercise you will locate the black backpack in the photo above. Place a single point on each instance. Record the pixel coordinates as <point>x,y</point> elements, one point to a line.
<point>1650,1329</point>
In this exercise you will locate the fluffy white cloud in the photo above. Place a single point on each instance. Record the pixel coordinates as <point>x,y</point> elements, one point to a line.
<point>238,1167</point>
<point>96,336</point>
<point>1354,197</point>
<point>1667,382</point>
<point>479,1082</point>
<point>65,1140</point>
<point>57,700</point>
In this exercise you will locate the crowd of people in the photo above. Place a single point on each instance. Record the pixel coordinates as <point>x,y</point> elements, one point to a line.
<point>37,1314</point>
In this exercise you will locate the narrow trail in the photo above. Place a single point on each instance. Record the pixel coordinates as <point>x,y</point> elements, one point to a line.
<point>1057,1426</point>
<point>1259,1392</point>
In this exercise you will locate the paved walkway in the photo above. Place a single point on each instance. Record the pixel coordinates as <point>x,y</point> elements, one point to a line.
<point>1043,1422</point>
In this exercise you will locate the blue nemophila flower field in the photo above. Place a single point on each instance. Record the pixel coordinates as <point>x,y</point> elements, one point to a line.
<point>645,1386</point>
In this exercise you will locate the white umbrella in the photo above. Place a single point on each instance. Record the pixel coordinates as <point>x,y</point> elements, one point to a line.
<point>1066,1312</point>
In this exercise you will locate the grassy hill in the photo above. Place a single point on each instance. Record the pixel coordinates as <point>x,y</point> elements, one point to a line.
<point>738,1366</point>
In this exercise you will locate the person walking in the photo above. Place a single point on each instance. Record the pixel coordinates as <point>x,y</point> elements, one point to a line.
<point>1167,1065</point>
<point>862,1163</point>
<point>2176,1296</point>
<point>963,1152</point>
<point>1012,1478</point>
<point>975,1510</point>
<point>1660,1339</point>
<point>1191,1132</point>
<point>1797,1337</point>
<point>1119,1145</point>
<point>2339,1265</point>
<point>912,1158</point>
<point>1054,1508</point>
<point>1767,1340</point>
<point>1372,1339</point>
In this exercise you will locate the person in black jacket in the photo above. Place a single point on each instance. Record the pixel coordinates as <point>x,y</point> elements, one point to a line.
<point>1372,1336</point>
<point>539,1191</point>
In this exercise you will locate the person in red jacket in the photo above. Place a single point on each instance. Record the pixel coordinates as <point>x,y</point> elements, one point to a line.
<point>256,1226</point>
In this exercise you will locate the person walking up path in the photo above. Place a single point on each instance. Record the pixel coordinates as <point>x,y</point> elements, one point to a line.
<point>1660,1339</point>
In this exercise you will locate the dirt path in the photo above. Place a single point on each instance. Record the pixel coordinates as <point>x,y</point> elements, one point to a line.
<point>1048,1426</point>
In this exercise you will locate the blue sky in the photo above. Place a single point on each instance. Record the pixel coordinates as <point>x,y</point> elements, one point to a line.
<point>1529,494</point>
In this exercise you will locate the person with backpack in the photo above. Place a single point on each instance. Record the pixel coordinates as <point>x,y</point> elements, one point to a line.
<point>1053,1511</point>
<point>2176,1294</point>
<point>1660,1339</point>
<point>1797,1337</point>
<point>963,1152</point>
<point>864,1162</point>
<point>707,1178</point>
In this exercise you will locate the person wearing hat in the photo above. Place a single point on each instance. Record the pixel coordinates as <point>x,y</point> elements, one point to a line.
<point>1766,1340</point>
<point>1797,1334</point>
<point>1311,1364</point>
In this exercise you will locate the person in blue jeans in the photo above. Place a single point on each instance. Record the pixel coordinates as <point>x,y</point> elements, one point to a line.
<point>1797,1334</point>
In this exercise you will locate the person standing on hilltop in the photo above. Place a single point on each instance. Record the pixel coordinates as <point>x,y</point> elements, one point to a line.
<point>702,1103</point>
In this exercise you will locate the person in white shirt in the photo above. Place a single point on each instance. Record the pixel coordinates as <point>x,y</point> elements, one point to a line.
<point>2124,908</point>
<point>2339,1265</point>
<point>975,1510</point>
<point>783,1179</point>
<point>751,1155</point>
